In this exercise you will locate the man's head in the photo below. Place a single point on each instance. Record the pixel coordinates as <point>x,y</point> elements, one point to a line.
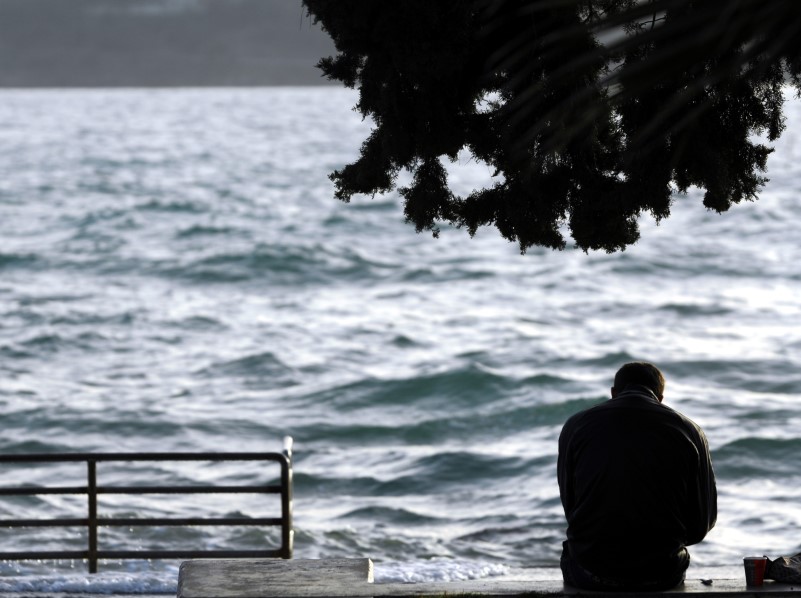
<point>642,373</point>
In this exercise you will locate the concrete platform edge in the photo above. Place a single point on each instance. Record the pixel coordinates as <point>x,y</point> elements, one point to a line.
<point>343,578</point>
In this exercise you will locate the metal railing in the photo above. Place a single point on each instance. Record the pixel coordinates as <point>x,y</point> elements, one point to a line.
<point>93,489</point>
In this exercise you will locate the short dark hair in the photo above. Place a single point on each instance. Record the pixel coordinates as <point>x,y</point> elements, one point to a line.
<point>643,373</point>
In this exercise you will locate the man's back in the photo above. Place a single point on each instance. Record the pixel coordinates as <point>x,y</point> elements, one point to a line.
<point>637,486</point>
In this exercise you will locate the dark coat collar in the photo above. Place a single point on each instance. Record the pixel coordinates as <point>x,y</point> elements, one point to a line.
<point>634,390</point>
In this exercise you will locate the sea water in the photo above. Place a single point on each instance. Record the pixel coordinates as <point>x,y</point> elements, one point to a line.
<point>175,275</point>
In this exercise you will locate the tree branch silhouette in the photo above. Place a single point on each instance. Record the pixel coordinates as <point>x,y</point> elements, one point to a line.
<point>590,113</point>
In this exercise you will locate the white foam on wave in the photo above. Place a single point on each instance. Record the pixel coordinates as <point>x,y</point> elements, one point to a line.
<point>436,570</point>
<point>115,582</point>
<point>98,583</point>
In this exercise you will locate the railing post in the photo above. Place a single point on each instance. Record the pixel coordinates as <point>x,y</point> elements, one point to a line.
<point>91,488</point>
<point>287,533</point>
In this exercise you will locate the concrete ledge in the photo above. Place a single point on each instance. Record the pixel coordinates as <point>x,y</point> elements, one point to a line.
<point>224,578</point>
<point>341,578</point>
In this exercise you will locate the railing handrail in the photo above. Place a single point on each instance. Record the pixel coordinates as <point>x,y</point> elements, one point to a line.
<point>92,490</point>
<point>144,456</point>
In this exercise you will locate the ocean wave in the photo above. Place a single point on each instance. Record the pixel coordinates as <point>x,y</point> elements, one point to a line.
<point>264,264</point>
<point>461,386</point>
<point>767,375</point>
<point>258,365</point>
<point>202,231</point>
<point>394,516</point>
<point>700,310</point>
<point>26,261</point>
<point>11,446</point>
<point>441,472</point>
<point>758,458</point>
<point>439,427</point>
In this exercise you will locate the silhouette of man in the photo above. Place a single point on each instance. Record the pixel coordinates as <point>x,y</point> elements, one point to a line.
<point>637,486</point>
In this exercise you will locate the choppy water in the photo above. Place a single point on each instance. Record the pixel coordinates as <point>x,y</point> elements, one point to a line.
<point>175,275</point>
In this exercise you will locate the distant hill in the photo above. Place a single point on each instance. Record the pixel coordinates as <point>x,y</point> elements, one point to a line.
<point>80,43</point>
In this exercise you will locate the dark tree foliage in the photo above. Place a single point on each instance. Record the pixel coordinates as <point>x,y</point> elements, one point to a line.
<point>590,113</point>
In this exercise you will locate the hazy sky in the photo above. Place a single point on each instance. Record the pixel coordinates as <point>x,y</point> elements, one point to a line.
<point>58,43</point>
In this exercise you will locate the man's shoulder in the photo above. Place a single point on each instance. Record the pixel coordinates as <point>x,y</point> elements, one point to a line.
<point>691,430</point>
<point>683,418</point>
<point>587,411</point>
<point>608,408</point>
<point>588,414</point>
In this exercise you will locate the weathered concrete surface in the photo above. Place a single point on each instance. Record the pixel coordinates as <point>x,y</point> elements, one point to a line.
<point>271,577</point>
<point>340,578</point>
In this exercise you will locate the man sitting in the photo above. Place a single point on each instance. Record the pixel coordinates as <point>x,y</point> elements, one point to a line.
<point>637,486</point>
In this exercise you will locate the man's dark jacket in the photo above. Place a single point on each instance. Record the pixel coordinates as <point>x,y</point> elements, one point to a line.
<point>637,486</point>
